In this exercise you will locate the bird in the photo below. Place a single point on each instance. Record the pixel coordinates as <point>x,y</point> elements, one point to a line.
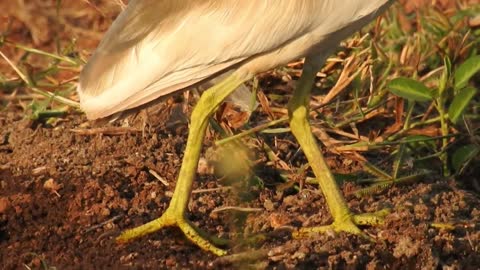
<point>158,47</point>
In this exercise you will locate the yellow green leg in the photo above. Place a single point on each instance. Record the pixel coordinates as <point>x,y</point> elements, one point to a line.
<point>175,213</point>
<point>298,109</point>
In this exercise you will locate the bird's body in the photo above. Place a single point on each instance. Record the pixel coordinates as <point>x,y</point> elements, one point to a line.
<point>157,47</point>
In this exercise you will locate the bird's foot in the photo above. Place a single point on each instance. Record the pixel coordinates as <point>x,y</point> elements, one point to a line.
<point>347,224</point>
<point>176,218</point>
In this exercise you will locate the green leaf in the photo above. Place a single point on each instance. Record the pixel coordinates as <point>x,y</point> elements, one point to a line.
<point>463,155</point>
<point>460,103</point>
<point>466,71</point>
<point>410,89</point>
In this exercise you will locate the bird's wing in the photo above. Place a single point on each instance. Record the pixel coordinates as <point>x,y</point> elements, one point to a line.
<point>156,47</point>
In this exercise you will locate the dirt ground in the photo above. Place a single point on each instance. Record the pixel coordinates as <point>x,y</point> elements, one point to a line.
<point>65,196</point>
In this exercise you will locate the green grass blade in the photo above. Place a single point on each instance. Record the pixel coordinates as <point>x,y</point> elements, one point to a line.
<point>387,184</point>
<point>374,170</point>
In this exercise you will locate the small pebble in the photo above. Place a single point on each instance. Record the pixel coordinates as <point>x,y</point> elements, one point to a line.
<point>50,184</point>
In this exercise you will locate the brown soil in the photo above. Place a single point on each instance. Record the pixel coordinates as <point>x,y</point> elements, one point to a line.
<point>65,196</point>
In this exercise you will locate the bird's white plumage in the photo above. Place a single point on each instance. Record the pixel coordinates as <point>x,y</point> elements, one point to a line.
<point>156,47</point>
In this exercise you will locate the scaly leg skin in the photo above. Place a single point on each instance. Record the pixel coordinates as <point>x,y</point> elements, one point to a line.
<point>344,220</point>
<point>175,214</point>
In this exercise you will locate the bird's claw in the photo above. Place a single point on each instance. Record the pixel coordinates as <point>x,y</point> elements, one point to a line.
<point>176,218</point>
<point>348,224</point>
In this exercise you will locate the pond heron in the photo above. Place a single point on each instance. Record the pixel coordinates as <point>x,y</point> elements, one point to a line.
<point>157,47</point>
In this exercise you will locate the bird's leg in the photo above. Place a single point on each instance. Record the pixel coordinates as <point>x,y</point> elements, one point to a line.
<point>175,213</point>
<point>298,109</point>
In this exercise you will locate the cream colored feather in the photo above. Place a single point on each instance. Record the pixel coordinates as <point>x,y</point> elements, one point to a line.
<point>156,47</point>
